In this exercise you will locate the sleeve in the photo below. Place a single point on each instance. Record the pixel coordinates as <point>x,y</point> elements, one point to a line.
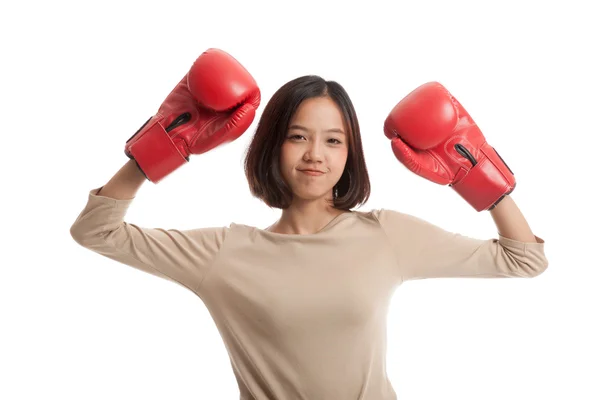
<point>183,257</point>
<point>424,250</point>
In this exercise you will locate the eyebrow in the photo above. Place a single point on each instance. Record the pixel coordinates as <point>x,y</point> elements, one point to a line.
<point>302,128</point>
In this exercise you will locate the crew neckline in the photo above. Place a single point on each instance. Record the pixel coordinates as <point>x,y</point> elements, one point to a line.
<point>323,230</point>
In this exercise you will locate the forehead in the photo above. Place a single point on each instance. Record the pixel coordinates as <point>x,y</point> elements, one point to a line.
<point>318,111</point>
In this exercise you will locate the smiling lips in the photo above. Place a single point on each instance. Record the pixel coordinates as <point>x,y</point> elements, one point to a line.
<point>312,172</point>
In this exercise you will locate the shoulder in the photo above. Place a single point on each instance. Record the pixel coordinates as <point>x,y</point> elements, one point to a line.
<point>385,214</point>
<point>394,221</point>
<point>384,217</point>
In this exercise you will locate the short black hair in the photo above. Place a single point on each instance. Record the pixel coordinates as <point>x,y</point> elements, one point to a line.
<point>261,163</point>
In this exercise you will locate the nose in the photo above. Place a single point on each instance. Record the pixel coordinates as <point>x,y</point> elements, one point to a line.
<point>314,152</point>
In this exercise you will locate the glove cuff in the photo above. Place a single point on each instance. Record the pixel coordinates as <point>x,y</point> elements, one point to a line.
<point>154,151</point>
<point>486,183</point>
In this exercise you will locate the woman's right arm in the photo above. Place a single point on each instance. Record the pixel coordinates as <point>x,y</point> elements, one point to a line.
<point>181,256</point>
<point>125,183</point>
<point>211,110</point>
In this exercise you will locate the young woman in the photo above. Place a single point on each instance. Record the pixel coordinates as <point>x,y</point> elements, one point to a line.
<point>301,305</point>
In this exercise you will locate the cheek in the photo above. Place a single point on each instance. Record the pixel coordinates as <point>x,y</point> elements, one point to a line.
<point>340,159</point>
<point>285,156</point>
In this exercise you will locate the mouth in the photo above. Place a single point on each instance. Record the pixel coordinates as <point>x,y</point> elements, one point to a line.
<point>312,171</point>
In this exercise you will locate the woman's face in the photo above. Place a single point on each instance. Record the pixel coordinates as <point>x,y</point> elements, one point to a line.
<point>316,140</point>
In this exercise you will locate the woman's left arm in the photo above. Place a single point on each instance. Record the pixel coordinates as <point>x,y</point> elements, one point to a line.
<point>510,222</point>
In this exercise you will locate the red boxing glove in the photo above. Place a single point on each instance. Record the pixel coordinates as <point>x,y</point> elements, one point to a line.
<point>435,137</point>
<point>213,104</point>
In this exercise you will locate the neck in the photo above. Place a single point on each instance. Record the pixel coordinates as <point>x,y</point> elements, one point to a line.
<point>305,217</point>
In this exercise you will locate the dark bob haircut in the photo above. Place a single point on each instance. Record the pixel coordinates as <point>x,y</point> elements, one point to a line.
<point>261,164</point>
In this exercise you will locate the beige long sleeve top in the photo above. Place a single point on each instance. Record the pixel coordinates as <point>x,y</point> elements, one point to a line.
<point>303,316</point>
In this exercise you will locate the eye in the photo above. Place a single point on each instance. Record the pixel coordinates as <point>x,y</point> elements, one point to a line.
<point>300,137</point>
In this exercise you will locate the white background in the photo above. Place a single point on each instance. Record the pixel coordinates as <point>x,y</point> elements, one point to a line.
<point>78,78</point>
